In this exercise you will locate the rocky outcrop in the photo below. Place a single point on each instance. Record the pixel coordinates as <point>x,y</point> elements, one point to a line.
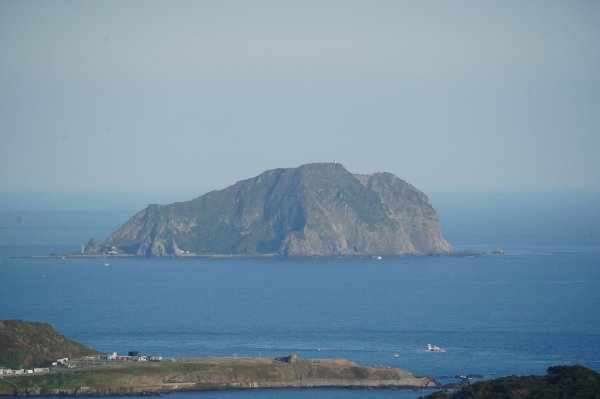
<point>93,247</point>
<point>293,358</point>
<point>312,210</point>
<point>411,209</point>
<point>567,381</point>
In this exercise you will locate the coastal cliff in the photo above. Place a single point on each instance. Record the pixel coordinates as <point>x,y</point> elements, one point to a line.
<point>313,210</point>
<point>209,374</point>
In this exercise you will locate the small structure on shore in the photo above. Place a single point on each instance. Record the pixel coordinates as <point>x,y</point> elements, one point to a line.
<point>293,358</point>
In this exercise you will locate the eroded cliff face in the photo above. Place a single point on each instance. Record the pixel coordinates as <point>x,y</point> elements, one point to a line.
<point>312,210</point>
<point>411,209</point>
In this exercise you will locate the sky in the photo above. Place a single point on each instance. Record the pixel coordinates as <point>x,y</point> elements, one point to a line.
<point>197,95</point>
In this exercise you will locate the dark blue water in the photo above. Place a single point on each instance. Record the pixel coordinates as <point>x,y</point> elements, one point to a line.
<point>518,313</point>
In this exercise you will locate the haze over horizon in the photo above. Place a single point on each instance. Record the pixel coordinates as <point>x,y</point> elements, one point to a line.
<point>198,95</point>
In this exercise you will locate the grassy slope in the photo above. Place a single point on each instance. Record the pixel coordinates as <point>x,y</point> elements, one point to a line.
<point>25,344</point>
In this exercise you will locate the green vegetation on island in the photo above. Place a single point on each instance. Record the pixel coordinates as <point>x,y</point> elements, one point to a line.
<point>31,344</point>
<point>313,210</point>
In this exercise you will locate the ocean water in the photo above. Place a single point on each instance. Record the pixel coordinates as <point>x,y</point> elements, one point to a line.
<point>517,313</point>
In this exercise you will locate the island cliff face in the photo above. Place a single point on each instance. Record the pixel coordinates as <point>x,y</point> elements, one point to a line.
<point>313,210</point>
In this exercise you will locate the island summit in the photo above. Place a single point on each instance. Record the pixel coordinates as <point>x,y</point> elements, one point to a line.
<point>318,209</point>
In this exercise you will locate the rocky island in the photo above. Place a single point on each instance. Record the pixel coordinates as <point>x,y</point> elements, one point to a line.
<point>102,375</point>
<point>316,209</point>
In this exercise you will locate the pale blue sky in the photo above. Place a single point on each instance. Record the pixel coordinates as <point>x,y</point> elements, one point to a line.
<point>200,94</point>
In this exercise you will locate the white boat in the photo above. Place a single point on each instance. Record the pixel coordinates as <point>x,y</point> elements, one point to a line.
<point>433,348</point>
<point>396,355</point>
<point>379,257</point>
<point>107,265</point>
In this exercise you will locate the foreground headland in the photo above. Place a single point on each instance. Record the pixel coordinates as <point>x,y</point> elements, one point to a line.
<point>197,374</point>
<point>37,360</point>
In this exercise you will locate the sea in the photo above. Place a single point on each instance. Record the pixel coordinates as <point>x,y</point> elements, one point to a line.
<point>535,306</point>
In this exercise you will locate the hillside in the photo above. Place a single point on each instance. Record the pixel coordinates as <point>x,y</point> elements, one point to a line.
<point>573,382</point>
<point>313,210</point>
<point>32,344</point>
